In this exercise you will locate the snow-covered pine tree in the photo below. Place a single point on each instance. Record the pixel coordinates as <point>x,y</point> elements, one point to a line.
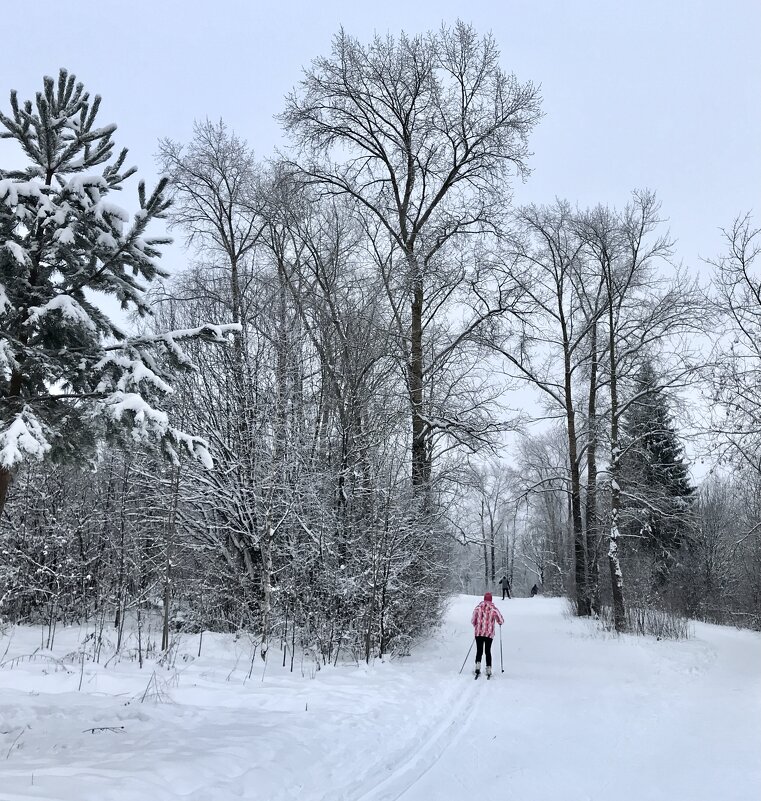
<point>68,375</point>
<point>659,490</point>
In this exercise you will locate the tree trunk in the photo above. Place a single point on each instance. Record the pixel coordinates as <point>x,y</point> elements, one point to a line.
<point>593,567</point>
<point>616,576</point>
<point>267,572</point>
<point>493,546</point>
<point>5,482</point>
<point>167,600</point>
<point>168,547</point>
<point>421,467</point>
<point>120,603</point>
<point>485,547</point>
<point>583,607</point>
<point>370,613</point>
<point>14,391</point>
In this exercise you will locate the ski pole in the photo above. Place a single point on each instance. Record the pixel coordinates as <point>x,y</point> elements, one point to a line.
<point>501,661</point>
<point>466,657</point>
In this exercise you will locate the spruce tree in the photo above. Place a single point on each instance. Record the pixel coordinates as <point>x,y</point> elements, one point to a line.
<point>654,472</point>
<point>69,376</point>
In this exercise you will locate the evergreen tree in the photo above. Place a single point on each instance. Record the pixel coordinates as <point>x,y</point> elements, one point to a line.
<point>68,375</point>
<point>655,477</point>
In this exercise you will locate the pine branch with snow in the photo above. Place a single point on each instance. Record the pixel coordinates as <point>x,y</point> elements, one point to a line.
<point>68,374</point>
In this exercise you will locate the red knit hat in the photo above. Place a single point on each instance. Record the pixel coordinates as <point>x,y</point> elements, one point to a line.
<point>487,596</point>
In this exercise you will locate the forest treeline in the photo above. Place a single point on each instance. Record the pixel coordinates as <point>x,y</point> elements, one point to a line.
<point>341,348</point>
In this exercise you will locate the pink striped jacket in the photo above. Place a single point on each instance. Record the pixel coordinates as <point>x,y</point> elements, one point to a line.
<point>484,617</point>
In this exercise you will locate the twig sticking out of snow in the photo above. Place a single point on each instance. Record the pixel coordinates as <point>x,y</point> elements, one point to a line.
<point>13,744</point>
<point>114,729</point>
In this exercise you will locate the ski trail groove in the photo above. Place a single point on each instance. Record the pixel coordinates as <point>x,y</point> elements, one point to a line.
<point>422,759</point>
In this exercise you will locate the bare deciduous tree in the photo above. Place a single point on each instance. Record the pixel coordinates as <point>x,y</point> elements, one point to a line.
<point>737,375</point>
<point>548,344</point>
<point>644,314</point>
<point>422,133</point>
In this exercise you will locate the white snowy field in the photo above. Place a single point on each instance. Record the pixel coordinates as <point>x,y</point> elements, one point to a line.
<point>576,715</point>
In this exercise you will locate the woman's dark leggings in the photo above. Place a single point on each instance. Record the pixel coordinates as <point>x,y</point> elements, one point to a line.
<point>483,643</point>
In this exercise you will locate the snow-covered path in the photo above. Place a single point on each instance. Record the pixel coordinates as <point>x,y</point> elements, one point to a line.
<point>577,715</point>
<point>580,716</point>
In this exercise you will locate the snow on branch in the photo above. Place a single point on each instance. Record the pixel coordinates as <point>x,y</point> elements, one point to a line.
<point>209,332</point>
<point>69,308</point>
<point>22,438</point>
<point>197,447</point>
<point>133,372</point>
<point>18,253</point>
<point>146,419</point>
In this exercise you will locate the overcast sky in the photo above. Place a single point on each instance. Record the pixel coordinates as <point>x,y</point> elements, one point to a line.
<point>664,94</point>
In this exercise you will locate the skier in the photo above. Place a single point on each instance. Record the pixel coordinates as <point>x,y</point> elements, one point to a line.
<point>505,584</point>
<point>484,617</point>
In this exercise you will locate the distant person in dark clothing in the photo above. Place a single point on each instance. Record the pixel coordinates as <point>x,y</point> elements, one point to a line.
<point>534,590</point>
<point>505,584</point>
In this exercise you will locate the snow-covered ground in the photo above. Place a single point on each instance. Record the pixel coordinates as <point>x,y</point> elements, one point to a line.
<point>576,715</point>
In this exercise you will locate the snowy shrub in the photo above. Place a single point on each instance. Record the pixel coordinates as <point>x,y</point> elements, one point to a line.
<point>650,621</point>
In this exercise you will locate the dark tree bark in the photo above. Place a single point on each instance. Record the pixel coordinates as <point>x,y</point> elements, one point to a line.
<point>6,477</point>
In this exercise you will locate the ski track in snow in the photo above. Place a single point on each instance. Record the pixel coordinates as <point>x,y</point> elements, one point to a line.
<point>416,764</point>
<point>577,715</point>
